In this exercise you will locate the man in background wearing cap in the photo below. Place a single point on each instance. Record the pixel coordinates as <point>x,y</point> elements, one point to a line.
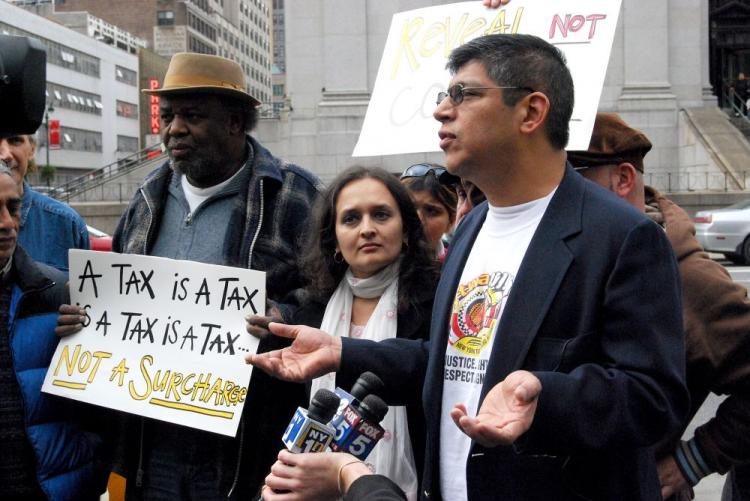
<point>716,314</point>
<point>221,199</point>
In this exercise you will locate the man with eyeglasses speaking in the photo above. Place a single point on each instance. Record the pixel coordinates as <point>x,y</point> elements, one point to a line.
<point>546,376</point>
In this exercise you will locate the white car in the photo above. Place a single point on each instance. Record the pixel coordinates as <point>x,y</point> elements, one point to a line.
<point>726,230</point>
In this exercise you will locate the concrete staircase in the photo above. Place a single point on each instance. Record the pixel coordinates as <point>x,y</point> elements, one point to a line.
<point>727,145</point>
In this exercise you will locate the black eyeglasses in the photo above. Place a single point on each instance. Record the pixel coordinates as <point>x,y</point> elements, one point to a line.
<point>421,170</point>
<point>456,92</point>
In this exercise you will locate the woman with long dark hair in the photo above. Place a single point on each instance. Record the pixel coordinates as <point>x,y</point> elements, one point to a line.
<point>372,276</point>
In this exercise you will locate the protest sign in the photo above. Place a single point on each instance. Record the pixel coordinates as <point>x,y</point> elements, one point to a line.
<point>412,70</point>
<point>162,338</point>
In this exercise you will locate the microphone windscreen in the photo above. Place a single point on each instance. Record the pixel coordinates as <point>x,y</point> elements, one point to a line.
<point>367,384</point>
<point>374,408</point>
<point>323,405</point>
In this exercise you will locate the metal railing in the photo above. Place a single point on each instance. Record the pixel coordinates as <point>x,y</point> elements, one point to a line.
<point>732,102</point>
<point>108,192</point>
<point>675,182</point>
<point>80,185</point>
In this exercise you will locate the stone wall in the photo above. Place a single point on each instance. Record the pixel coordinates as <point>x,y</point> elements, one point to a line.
<point>103,216</point>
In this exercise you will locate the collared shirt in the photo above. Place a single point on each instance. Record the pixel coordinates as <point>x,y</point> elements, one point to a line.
<point>48,229</point>
<point>197,235</point>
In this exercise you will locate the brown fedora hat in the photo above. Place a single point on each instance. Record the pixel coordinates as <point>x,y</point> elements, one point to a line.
<point>189,72</point>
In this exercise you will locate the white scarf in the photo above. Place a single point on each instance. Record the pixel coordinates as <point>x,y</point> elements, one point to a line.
<point>393,455</point>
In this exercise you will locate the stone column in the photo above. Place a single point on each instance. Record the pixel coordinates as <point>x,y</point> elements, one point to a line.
<point>647,101</point>
<point>345,94</point>
<point>646,83</point>
<point>344,51</point>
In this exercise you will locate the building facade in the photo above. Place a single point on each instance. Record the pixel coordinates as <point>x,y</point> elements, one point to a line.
<point>279,35</point>
<point>279,98</point>
<point>86,24</point>
<point>92,89</point>
<point>237,29</point>
<point>729,43</point>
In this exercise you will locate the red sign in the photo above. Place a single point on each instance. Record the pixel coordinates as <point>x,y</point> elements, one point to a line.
<point>54,134</point>
<point>154,123</point>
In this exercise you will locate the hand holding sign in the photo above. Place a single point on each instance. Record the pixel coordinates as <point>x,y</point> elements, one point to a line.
<point>494,3</point>
<point>257,325</point>
<point>70,320</point>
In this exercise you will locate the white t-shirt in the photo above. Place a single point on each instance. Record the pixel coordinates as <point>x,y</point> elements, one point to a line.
<point>478,305</point>
<point>195,196</point>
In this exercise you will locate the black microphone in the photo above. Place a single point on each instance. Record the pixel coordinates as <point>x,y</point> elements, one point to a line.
<point>368,383</point>
<point>358,430</point>
<point>309,431</point>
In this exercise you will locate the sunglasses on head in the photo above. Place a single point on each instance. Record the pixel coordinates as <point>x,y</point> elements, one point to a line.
<point>421,170</point>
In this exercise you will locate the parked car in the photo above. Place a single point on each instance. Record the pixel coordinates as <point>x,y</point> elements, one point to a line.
<point>99,240</point>
<point>726,231</point>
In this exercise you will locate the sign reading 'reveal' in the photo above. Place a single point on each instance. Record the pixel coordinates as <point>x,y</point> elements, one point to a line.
<point>412,70</point>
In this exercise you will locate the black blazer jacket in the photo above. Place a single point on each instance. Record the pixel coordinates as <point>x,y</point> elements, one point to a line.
<point>595,314</point>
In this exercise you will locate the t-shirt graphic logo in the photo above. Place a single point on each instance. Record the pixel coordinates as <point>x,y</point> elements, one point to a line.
<point>476,310</point>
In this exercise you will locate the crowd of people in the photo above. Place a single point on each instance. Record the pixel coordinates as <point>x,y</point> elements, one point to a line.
<point>545,324</point>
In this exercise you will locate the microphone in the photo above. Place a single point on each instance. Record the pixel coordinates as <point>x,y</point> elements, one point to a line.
<point>309,431</point>
<point>366,384</point>
<point>358,429</point>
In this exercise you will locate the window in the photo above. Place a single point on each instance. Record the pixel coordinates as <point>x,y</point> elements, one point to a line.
<point>127,110</point>
<point>60,55</point>
<point>127,144</point>
<point>165,17</point>
<point>69,98</point>
<point>77,140</point>
<point>67,57</point>
<point>126,76</point>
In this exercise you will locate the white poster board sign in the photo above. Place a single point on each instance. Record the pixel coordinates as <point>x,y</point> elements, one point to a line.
<point>412,71</point>
<point>164,339</point>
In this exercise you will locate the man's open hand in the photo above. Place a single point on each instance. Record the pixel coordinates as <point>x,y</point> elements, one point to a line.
<point>312,354</point>
<point>506,413</point>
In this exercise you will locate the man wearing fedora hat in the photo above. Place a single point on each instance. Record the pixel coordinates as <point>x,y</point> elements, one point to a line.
<point>716,314</point>
<point>222,198</point>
